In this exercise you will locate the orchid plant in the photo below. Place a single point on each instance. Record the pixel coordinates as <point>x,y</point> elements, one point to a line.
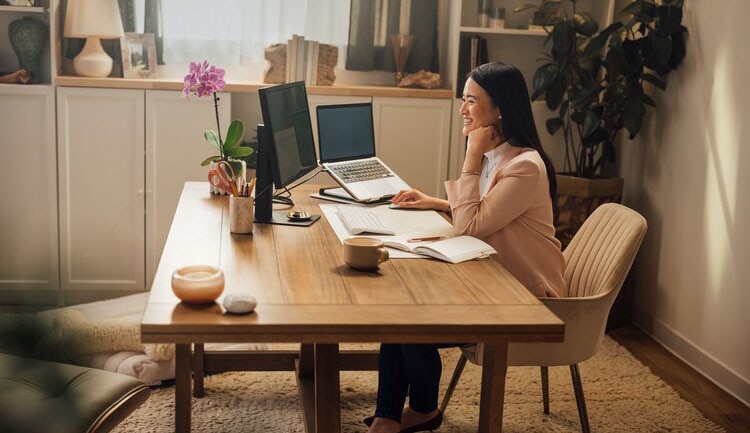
<point>207,80</point>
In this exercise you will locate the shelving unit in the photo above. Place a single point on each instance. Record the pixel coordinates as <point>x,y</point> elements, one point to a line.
<point>46,13</point>
<point>521,47</point>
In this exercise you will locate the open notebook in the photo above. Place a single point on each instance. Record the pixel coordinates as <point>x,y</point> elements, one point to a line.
<point>455,250</point>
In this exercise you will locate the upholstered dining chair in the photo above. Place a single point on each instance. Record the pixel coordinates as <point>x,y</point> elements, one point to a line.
<point>596,263</point>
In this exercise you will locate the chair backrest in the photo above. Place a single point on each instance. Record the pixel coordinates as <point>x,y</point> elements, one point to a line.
<point>597,262</point>
<point>602,251</point>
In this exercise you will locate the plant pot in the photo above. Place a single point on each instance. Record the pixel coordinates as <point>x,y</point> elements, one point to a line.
<point>577,197</point>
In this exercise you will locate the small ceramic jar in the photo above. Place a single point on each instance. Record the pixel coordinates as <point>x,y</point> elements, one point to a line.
<point>198,284</point>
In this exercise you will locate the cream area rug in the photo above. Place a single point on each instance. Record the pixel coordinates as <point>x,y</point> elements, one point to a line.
<point>622,395</point>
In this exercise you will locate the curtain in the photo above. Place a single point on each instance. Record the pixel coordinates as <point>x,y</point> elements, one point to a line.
<point>234,33</point>
<point>372,22</point>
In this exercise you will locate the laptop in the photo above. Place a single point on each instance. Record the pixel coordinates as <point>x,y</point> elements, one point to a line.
<point>346,140</point>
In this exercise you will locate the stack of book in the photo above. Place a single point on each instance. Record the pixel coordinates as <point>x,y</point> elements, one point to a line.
<point>302,60</point>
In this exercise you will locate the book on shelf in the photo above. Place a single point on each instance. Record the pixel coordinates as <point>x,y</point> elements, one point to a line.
<point>454,250</point>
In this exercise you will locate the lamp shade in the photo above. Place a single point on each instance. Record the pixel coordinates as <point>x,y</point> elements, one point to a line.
<point>84,18</point>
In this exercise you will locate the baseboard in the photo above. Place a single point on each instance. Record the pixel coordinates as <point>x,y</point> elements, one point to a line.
<point>704,363</point>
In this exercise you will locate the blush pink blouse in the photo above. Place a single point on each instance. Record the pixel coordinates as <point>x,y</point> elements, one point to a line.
<point>515,217</point>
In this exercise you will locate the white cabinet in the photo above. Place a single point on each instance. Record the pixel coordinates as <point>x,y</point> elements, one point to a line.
<point>412,136</point>
<point>175,148</point>
<point>102,191</point>
<point>124,156</point>
<point>28,187</point>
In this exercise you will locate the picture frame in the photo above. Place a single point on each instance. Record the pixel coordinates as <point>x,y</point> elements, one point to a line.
<point>138,55</point>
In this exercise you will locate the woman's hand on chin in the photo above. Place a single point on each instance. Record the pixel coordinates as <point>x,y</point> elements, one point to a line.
<point>483,139</point>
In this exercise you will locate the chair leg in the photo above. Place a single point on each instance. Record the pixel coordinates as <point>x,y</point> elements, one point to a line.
<point>545,389</point>
<point>454,381</point>
<point>580,401</point>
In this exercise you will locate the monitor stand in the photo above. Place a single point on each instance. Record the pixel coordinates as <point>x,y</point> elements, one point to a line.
<point>279,217</point>
<point>264,213</point>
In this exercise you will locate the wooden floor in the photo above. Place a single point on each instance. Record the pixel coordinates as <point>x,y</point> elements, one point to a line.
<point>716,404</point>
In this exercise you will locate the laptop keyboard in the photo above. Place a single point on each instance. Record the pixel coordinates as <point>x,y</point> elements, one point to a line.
<point>358,171</point>
<point>361,220</point>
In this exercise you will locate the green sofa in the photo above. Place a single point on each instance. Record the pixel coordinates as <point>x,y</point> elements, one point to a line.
<point>43,396</point>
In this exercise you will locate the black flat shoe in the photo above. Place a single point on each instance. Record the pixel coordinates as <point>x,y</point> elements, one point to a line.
<point>429,425</point>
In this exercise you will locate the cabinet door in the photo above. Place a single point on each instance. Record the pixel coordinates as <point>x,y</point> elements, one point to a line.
<point>28,187</point>
<point>412,136</point>
<point>102,181</point>
<point>175,148</point>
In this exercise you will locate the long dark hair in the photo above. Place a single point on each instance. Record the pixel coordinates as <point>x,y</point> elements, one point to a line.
<point>507,89</point>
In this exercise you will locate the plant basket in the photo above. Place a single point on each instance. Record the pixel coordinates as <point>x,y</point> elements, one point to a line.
<point>577,197</point>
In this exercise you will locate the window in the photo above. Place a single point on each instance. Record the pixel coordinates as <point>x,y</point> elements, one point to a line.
<point>232,34</point>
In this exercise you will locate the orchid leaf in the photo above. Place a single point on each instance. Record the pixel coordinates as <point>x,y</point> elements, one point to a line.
<point>210,159</point>
<point>239,152</point>
<point>234,134</point>
<point>213,138</point>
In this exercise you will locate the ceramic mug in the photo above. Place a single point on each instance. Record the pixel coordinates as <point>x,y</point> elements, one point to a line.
<point>364,253</point>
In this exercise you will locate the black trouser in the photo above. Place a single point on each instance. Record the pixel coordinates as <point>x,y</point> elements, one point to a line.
<point>412,368</point>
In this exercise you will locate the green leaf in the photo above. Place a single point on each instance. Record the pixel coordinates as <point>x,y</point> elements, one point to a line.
<point>598,42</point>
<point>563,38</point>
<point>213,138</point>
<point>662,46</point>
<point>653,79</point>
<point>542,79</point>
<point>585,96</point>
<point>239,152</point>
<point>668,19</point>
<point>210,159</point>
<point>525,6</point>
<point>554,124</point>
<point>647,100</point>
<point>234,134</point>
<point>590,123</point>
<point>585,24</point>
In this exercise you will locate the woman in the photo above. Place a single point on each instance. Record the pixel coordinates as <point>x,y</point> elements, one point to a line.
<point>504,196</point>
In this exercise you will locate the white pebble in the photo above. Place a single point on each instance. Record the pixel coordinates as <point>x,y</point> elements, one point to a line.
<point>239,304</point>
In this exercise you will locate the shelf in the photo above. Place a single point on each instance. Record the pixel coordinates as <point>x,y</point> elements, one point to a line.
<point>503,31</point>
<point>246,87</point>
<point>24,9</point>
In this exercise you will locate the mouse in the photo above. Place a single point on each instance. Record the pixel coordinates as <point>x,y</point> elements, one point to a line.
<point>394,206</point>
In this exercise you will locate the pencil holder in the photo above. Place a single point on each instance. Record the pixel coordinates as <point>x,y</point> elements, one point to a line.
<point>240,215</point>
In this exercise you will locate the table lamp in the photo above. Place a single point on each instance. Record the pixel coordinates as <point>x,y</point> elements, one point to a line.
<point>93,20</point>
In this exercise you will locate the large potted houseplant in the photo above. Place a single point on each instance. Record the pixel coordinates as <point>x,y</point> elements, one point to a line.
<point>594,83</point>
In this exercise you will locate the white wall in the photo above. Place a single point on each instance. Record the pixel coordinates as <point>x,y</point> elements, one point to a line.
<point>688,174</point>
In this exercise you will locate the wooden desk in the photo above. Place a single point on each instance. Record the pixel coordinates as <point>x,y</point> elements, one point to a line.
<point>306,294</point>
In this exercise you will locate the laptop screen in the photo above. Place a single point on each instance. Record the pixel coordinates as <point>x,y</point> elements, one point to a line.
<point>345,132</point>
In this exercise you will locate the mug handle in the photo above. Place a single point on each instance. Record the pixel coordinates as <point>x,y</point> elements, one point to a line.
<point>383,254</point>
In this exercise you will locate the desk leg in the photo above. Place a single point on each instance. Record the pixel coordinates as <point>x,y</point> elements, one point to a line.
<point>327,393</point>
<point>182,388</point>
<point>494,367</point>
<point>198,370</point>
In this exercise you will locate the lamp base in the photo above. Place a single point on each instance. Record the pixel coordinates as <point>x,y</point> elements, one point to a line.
<point>92,61</point>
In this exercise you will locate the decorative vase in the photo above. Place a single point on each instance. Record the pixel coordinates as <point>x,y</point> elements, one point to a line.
<point>28,37</point>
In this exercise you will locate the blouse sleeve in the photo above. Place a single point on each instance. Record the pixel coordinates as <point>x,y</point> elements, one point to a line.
<point>510,197</point>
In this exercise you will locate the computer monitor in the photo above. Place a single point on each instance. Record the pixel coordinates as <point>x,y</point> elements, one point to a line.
<point>286,151</point>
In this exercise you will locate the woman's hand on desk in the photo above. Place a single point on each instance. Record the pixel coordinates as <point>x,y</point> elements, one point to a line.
<point>415,199</point>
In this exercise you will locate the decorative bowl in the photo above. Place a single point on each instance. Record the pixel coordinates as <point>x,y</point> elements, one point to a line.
<point>198,284</point>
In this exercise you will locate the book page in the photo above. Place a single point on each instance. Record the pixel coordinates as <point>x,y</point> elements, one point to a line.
<point>457,249</point>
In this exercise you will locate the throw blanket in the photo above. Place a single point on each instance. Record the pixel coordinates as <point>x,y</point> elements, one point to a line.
<point>69,335</point>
